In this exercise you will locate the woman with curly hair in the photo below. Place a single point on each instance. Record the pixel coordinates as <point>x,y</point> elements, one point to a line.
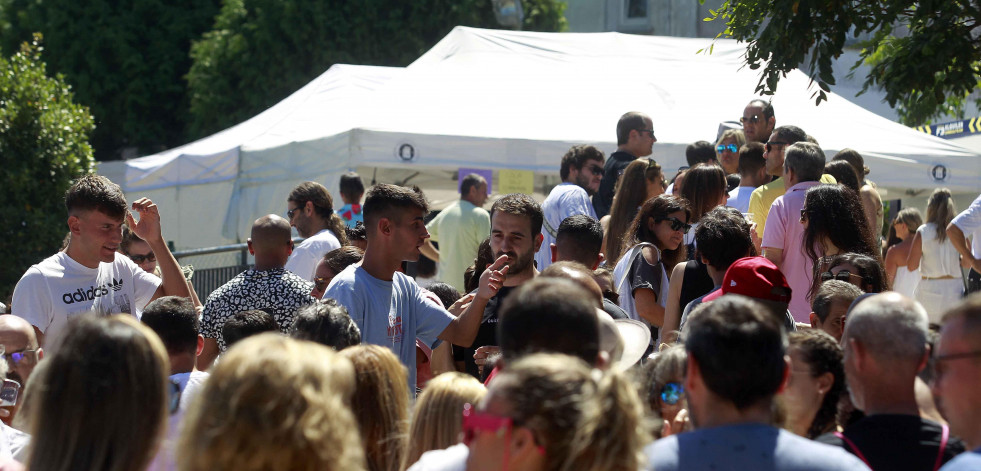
<point>654,244</point>
<point>863,271</point>
<point>834,224</point>
<point>817,379</point>
<point>641,181</point>
<point>934,255</point>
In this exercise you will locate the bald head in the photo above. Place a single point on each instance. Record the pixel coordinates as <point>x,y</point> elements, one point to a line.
<point>270,231</point>
<point>890,326</point>
<point>577,273</point>
<point>13,325</point>
<point>17,336</point>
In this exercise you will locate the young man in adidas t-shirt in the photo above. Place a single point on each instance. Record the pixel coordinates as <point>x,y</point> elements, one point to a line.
<point>90,275</point>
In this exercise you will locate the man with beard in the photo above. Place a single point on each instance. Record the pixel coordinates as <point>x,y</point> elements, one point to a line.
<point>310,209</point>
<point>581,172</point>
<point>516,227</point>
<point>21,351</point>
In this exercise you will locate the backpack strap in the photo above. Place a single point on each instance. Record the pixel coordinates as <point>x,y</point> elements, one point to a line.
<point>850,444</point>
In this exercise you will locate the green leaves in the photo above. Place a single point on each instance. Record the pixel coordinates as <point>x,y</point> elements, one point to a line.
<point>929,69</point>
<point>43,146</point>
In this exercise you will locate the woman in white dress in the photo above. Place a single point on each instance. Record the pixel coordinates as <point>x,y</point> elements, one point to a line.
<point>934,255</point>
<point>900,277</point>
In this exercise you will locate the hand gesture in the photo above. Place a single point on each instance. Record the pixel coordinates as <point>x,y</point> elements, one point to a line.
<point>492,278</point>
<point>681,423</point>
<point>148,228</point>
<point>480,356</point>
<point>461,305</point>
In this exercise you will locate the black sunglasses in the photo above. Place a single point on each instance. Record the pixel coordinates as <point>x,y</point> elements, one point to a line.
<point>750,119</point>
<point>291,212</point>
<point>595,169</point>
<point>843,275</point>
<point>138,259</point>
<point>676,224</point>
<point>649,132</point>
<point>769,145</point>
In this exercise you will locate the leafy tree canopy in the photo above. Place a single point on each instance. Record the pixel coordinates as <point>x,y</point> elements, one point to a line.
<point>43,147</point>
<point>260,51</point>
<point>924,55</point>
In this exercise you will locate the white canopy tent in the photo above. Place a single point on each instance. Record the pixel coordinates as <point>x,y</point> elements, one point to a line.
<point>508,100</point>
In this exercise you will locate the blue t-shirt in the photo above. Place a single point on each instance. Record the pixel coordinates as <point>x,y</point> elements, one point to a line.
<point>392,314</point>
<point>969,461</point>
<point>746,446</point>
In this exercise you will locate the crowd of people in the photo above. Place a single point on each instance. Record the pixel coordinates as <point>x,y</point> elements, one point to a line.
<point>746,312</point>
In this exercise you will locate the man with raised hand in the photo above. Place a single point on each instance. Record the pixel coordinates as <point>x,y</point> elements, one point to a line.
<point>90,275</point>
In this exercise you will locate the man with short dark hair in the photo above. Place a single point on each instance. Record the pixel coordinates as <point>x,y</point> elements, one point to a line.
<point>752,174</point>
<point>310,209</point>
<point>957,374</point>
<point>783,238</point>
<point>327,323</point>
<point>516,235</point>
<point>246,324</point>
<point>830,306</point>
<point>885,344</point>
<point>389,307</point>
<point>352,189</point>
<point>758,120</point>
<point>635,138</point>
<point>90,275</point>
<point>737,362</point>
<point>700,152</point>
<point>581,173</point>
<point>459,229</point>
<point>266,286</point>
<point>579,239</point>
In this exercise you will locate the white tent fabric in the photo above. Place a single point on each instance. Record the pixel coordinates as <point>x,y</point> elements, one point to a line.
<point>511,100</point>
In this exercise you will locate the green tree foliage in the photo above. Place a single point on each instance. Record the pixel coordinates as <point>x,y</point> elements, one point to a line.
<point>260,51</point>
<point>125,59</point>
<point>923,54</point>
<point>43,147</point>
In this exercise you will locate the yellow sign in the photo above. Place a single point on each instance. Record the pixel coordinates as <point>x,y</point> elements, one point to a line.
<point>515,181</point>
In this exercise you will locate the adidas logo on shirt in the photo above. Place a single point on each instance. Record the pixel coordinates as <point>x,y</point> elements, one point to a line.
<point>81,294</point>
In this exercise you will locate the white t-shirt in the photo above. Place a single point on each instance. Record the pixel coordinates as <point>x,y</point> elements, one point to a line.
<point>739,198</point>
<point>566,199</point>
<point>190,384</point>
<point>453,458</point>
<point>59,288</point>
<point>392,314</point>
<point>969,222</point>
<point>303,261</point>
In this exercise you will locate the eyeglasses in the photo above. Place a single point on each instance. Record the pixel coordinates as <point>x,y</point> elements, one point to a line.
<point>649,132</point>
<point>138,258</point>
<point>750,119</point>
<point>651,164</point>
<point>474,421</point>
<point>671,393</point>
<point>320,282</point>
<point>843,275</point>
<point>290,212</point>
<point>595,169</point>
<point>22,357</point>
<point>730,147</point>
<point>676,224</point>
<point>769,145</point>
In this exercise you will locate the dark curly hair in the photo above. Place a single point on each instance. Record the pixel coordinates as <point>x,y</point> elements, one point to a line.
<point>869,268</point>
<point>834,213</point>
<point>656,208</point>
<point>822,355</point>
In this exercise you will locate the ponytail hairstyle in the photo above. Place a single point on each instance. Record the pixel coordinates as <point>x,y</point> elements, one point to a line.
<point>586,420</point>
<point>940,211</point>
<point>323,205</point>
<point>640,231</point>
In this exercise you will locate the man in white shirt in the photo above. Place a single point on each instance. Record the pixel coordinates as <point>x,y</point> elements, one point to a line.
<point>964,225</point>
<point>90,275</point>
<point>581,172</point>
<point>752,174</point>
<point>310,209</point>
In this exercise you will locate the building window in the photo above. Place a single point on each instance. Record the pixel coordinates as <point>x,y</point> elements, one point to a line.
<point>636,8</point>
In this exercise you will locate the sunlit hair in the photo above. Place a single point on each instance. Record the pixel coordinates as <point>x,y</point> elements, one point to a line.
<point>96,193</point>
<point>940,211</point>
<point>844,174</point>
<point>834,213</point>
<point>101,402</point>
<point>380,404</point>
<point>640,228</point>
<point>584,420</point>
<point>323,205</point>
<point>630,196</point>
<point>736,134</point>
<point>912,218</point>
<point>821,354</point>
<point>436,420</point>
<point>128,238</point>
<point>703,187</point>
<point>273,403</point>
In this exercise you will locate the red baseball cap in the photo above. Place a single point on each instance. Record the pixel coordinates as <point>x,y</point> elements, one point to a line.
<point>755,277</point>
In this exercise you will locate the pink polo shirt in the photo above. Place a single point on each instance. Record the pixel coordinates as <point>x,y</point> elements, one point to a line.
<point>784,231</point>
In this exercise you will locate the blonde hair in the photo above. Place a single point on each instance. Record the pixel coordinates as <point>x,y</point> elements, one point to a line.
<point>100,402</point>
<point>273,403</point>
<point>380,404</point>
<point>586,420</point>
<point>436,418</point>
<point>940,211</point>
<point>736,134</point>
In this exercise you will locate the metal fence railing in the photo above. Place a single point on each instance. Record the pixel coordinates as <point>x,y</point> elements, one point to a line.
<point>213,266</point>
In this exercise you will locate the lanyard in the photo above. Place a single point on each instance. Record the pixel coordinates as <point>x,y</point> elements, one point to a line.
<point>936,465</point>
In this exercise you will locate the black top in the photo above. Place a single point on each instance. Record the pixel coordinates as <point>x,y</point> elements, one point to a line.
<point>696,282</point>
<point>897,442</point>
<point>486,334</point>
<point>603,199</point>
